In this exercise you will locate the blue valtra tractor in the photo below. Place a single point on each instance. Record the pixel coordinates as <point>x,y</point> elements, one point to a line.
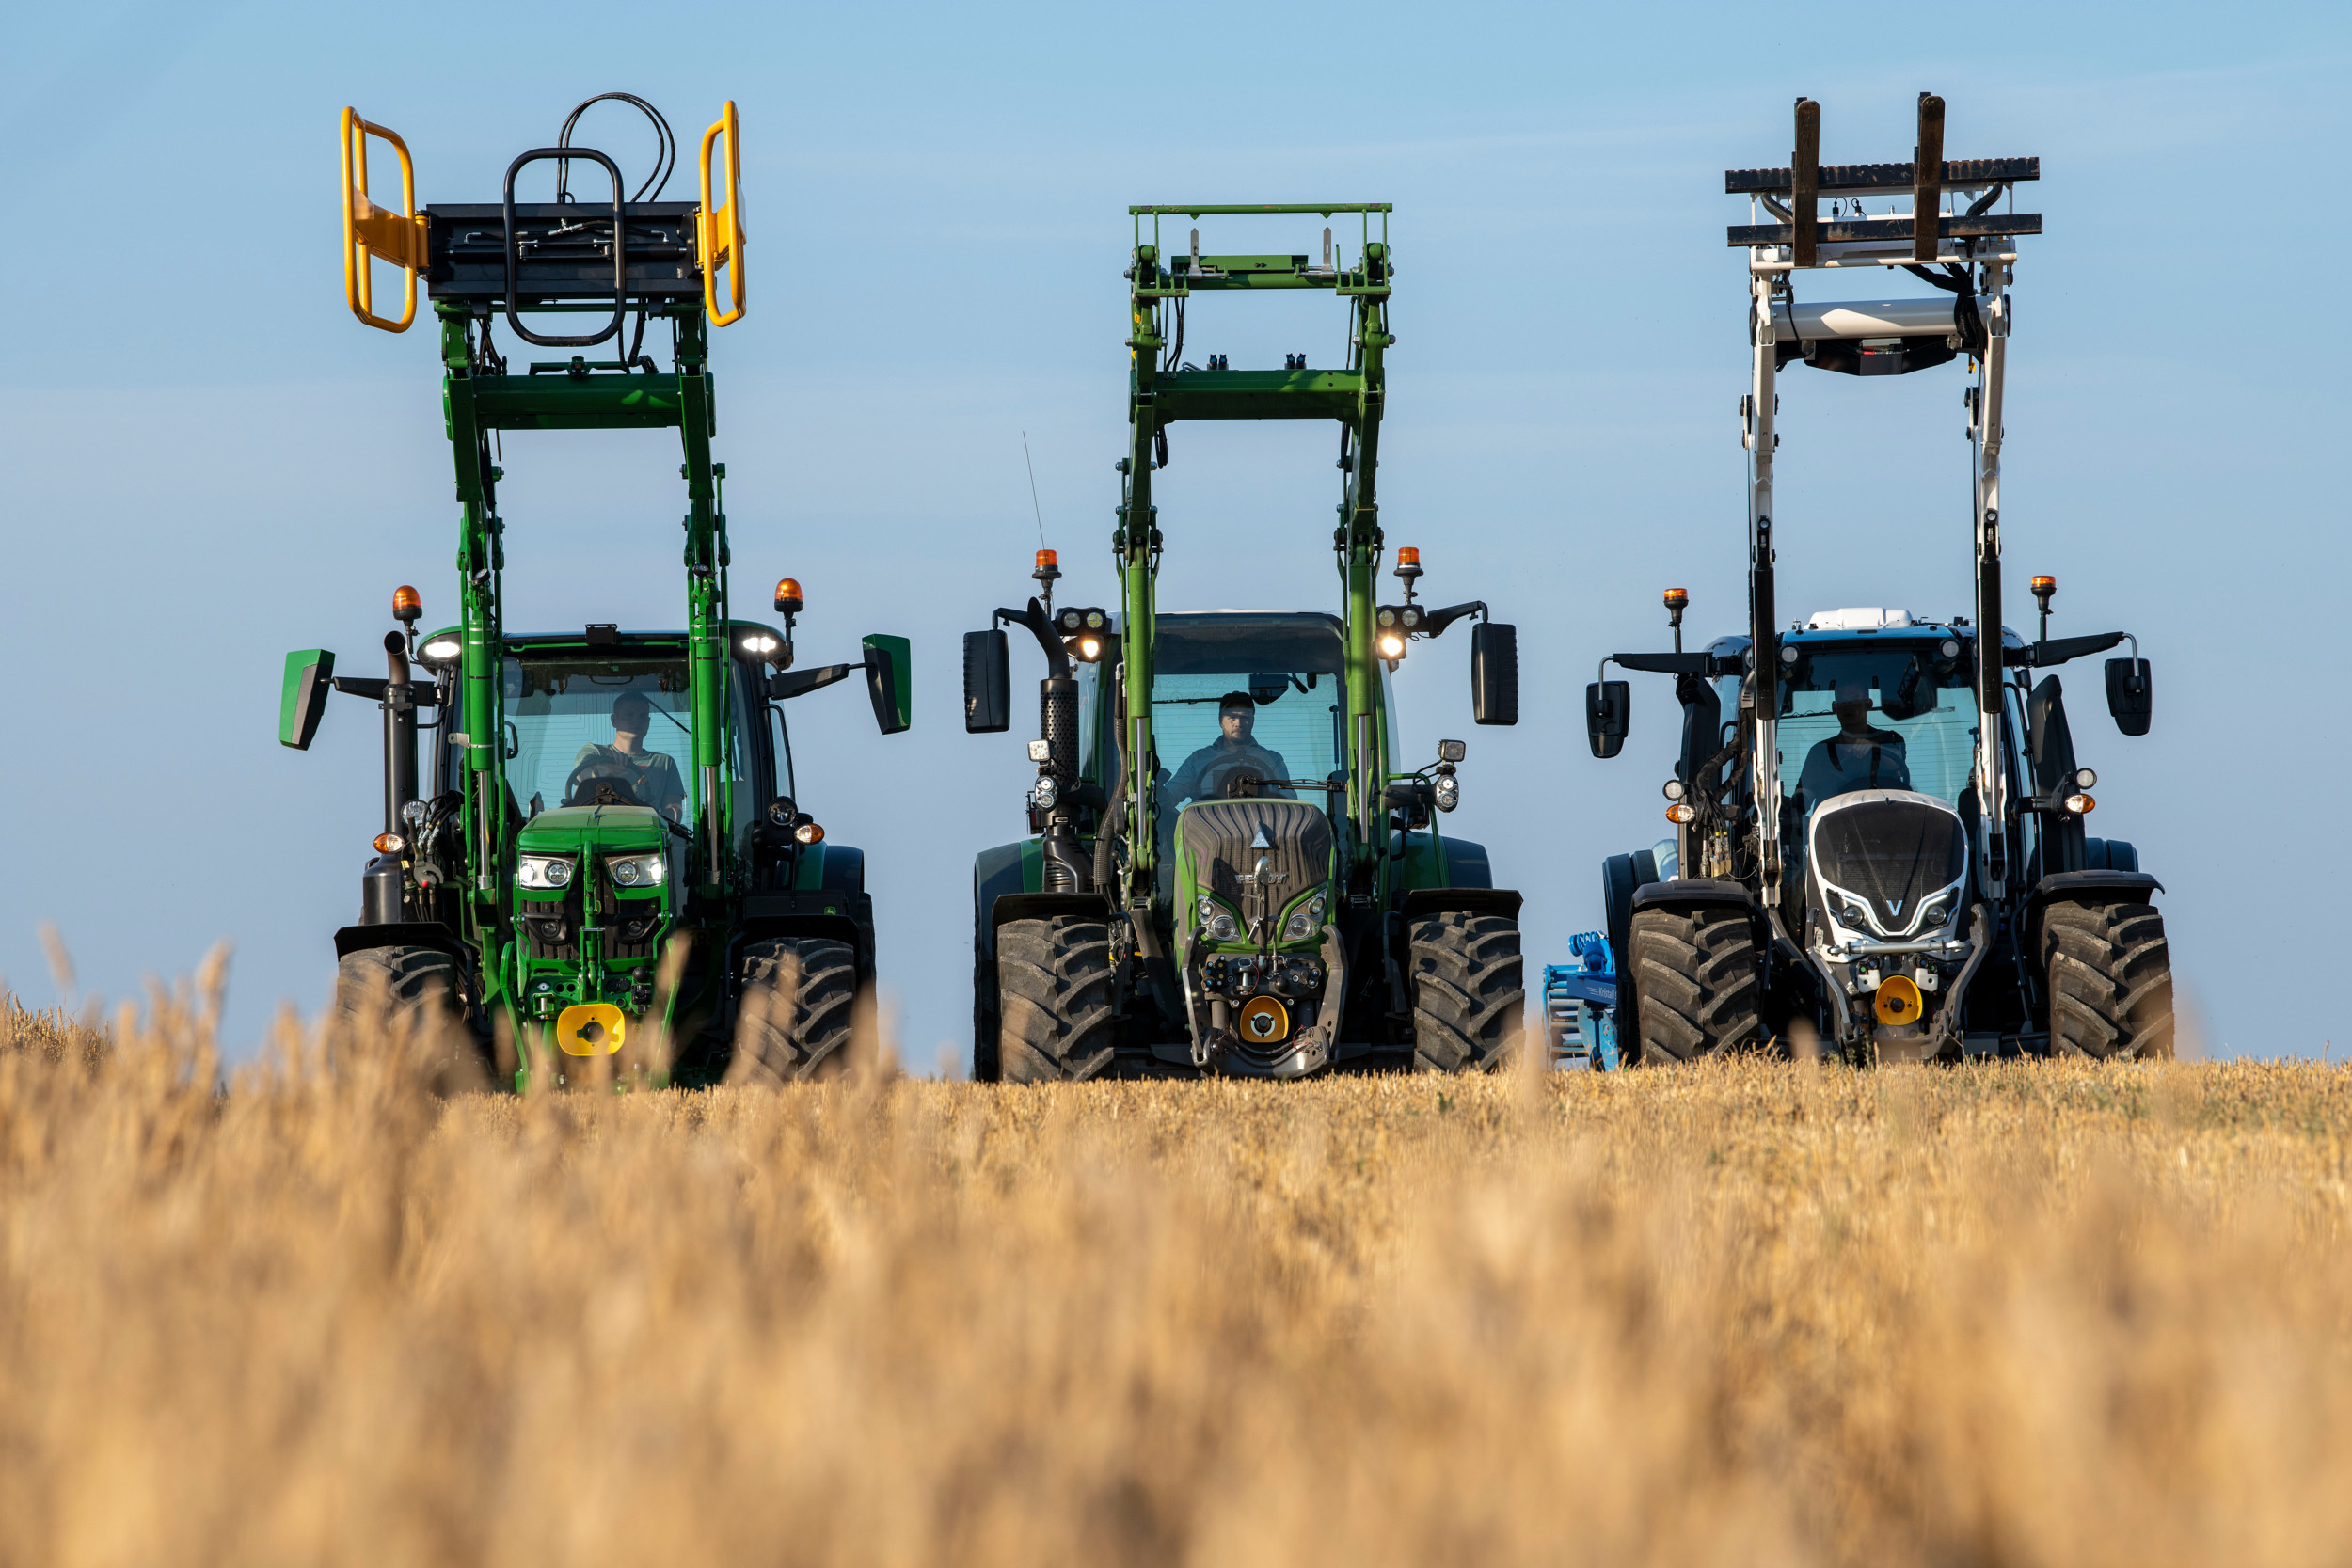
<point>1880,822</point>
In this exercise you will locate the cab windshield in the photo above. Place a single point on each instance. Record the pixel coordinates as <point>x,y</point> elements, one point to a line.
<point>1234,694</point>
<point>578,722</point>
<point>1910,722</point>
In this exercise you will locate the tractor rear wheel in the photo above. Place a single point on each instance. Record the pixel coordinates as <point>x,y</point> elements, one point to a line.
<point>1469,990</point>
<point>1696,989</point>
<point>2110,975</point>
<point>1055,1022</point>
<point>799,1011</point>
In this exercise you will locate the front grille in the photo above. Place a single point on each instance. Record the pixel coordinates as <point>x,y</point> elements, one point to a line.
<point>1218,835</point>
<point>628,936</point>
<point>1892,852</point>
<point>550,928</point>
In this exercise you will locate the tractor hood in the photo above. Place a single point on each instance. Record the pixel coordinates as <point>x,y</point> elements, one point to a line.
<point>573,829</point>
<point>1222,849</point>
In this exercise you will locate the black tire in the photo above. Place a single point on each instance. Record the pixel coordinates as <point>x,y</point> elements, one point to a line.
<point>414,993</point>
<point>1055,1024</point>
<point>1469,990</point>
<point>798,1013</point>
<point>985,1068</point>
<point>1696,985</point>
<point>413,987</point>
<point>2109,971</point>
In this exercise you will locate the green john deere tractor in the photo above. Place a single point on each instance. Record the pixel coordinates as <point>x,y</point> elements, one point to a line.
<point>605,860</point>
<point>1279,902</point>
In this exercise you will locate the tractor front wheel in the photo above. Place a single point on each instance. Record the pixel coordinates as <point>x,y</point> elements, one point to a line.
<point>797,1012</point>
<point>402,986</point>
<point>1055,1022</point>
<point>2111,974</point>
<point>1469,991</point>
<point>1695,989</point>
<point>414,993</point>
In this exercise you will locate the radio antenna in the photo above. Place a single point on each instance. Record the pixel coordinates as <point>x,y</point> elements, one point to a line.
<point>1033,501</point>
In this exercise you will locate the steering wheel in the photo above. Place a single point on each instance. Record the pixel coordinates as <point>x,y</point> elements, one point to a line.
<point>1242,784</point>
<point>595,783</point>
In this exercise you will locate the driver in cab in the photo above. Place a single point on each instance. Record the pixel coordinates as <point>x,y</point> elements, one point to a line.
<point>649,777</point>
<point>1857,756</point>
<point>1208,770</point>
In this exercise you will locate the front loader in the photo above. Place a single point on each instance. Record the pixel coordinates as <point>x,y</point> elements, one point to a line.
<point>605,861</point>
<point>1879,841</point>
<point>1228,871</point>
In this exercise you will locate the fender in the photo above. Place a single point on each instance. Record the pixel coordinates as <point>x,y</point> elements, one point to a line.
<point>1044,906</point>
<point>404,933</point>
<point>1462,900</point>
<point>2083,887</point>
<point>1685,892</point>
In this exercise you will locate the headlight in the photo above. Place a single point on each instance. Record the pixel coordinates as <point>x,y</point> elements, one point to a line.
<point>441,650</point>
<point>1448,791</point>
<point>637,870</point>
<point>1216,921</point>
<point>1304,921</point>
<point>1044,793</point>
<point>1933,916</point>
<point>1849,912</point>
<point>543,871</point>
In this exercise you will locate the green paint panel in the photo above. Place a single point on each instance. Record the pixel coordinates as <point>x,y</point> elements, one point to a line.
<point>890,664</point>
<point>302,698</point>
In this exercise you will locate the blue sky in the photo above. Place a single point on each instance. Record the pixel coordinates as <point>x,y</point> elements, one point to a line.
<point>205,462</point>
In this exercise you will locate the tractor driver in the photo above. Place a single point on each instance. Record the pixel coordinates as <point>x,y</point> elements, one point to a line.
<point>649,776</point>
<point>1206,773</point>
<point>1857,756</point>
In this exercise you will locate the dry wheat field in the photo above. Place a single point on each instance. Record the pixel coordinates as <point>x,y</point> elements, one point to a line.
<point>1752,1314</point>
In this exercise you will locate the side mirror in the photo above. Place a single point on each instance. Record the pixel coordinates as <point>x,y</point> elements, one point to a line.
<point>2049,739</point>
<point>2128,695</point>
<point>302,701</point>
<point>987,683</point>
<point>1608,713</point>
<point>1494,673</point>
<point>890,681</point>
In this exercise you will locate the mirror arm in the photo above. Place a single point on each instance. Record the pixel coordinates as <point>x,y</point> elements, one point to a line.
<point>785,685</point>
<point>371,688</point>
<point>1056,657</point>
<point>1436,621</point>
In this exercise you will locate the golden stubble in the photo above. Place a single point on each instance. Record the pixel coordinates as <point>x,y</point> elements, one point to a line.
<point>1746,1313</point>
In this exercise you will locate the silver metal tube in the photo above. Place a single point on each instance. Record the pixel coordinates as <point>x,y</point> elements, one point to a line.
<point>1991,782</point>
<point>1862,947</point>
<point>1874,318</point>
<point>1763,395</point>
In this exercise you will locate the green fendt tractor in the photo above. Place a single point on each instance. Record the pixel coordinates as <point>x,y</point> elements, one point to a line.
<point>605,857</point>
<point>1279,901</point>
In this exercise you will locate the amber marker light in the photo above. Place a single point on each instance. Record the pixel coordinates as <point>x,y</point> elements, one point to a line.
<point>809,833</point>
<point>1681,812</point>
<point>788,597</point>
<point>2082,805</point>
<point>389,843</point>
<point>406,604</point>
